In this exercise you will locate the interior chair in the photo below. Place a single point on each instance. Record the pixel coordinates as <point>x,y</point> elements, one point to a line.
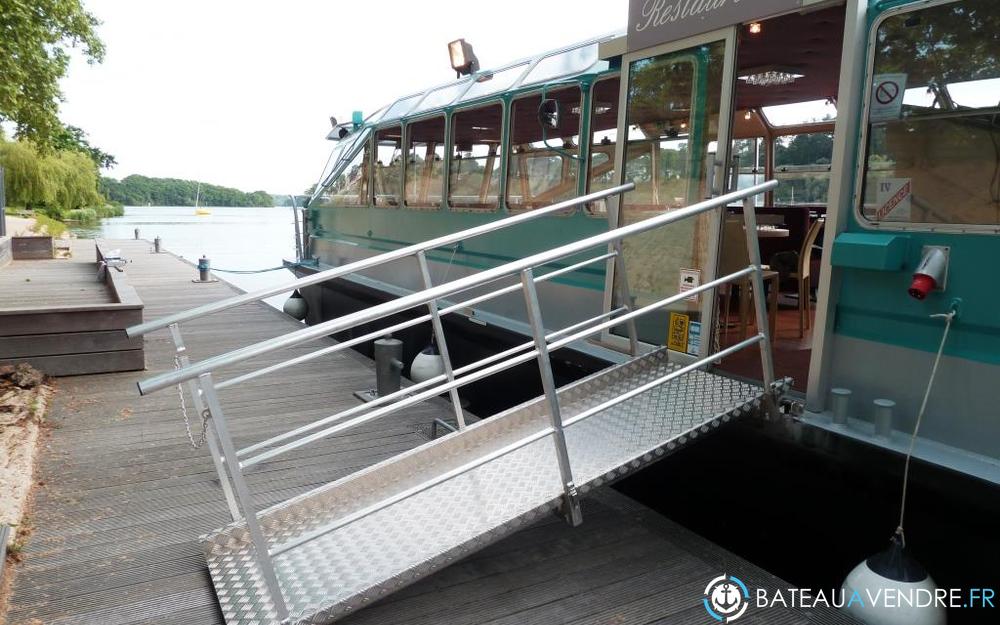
<point>732,257</point>
<point>803,276</point>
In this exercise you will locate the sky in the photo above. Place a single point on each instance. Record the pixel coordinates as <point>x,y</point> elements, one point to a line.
<point>240,93</point>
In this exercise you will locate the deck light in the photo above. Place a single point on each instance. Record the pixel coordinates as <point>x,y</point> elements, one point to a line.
<point>463,59</point>
<point>755,28</point>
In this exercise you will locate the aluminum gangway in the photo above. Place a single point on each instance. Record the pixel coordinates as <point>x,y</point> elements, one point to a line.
<point>339,547</point>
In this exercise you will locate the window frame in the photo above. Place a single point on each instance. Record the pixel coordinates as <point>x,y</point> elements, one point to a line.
<point>590,102</point>
<point>502,153</point>
<point>374,159</point>
<point>858,193</point>
<point>509,146</point>
<point>815,168</point>
<point>444,161</point>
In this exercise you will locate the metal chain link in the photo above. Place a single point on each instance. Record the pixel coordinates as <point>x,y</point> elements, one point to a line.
<point>205,414</point>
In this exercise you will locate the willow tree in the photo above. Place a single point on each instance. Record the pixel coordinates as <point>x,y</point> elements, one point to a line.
<point>35,38</point>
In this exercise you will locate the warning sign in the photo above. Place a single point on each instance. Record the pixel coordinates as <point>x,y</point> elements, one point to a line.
<point>677,336</point>
<point>887,97</point>
<point>690,278</point>
<point>694,338</point>
<point>893,198</point>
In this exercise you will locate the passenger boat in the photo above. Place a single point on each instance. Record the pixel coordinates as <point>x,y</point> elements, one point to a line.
<point>852,145</point>
<point>882,157</point>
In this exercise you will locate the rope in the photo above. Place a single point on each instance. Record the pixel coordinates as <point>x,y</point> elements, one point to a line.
<point>288,266</point>
<point>948,317</point>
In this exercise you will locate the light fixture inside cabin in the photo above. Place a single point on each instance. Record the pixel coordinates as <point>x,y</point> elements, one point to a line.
<point>747,115</point>
<point>755,28</point>
<point>770,76</point>
<point>463,59</point>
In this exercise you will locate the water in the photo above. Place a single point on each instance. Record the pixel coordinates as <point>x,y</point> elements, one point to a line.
<point>231,237</point>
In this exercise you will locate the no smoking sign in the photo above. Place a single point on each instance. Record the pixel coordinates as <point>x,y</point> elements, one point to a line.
<point>887,96</point>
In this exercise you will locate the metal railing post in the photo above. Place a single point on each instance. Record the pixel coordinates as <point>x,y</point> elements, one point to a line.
<point>625,295</point>
<point>571,499</point>
<point>449,372</point>
<point>210,434</point>
<point>760,305</point>
<point>260,546</point>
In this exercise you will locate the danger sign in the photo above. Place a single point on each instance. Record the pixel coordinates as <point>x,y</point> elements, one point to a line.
<point>887,96</point>
<point>893,197</point>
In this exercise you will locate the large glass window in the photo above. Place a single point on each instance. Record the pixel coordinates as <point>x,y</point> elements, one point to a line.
<point>603,138</point>
<point>933,153</point>
<point>543,164</point>
<point>350,188</point>
<point>425,163</point>
<point>672,123</point>
<point>750,161</point>
<point>388,166</point>
<point>802,168</point>
<point>474,177</point>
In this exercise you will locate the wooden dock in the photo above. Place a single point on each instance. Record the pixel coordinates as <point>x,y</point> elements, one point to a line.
<point>122,498</point>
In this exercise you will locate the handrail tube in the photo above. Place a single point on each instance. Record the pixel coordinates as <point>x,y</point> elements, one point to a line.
<point>409,301</point>
<point>374,261</point>
<point>753,340</point>
<point>402,325</point>
<point>413,490</point>
<point>458,382</point>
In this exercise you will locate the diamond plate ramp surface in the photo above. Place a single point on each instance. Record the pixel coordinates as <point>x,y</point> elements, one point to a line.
<point>353,565</point>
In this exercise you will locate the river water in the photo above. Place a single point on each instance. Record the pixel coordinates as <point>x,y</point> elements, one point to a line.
<point>232,238</point>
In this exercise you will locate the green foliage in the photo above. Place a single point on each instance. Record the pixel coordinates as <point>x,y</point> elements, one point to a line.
<point>71,138</point>
<point>46,225</point>
<point>52,182</point>
<point>81,215</point>
<point>138,190</point>
<point>34,56</point>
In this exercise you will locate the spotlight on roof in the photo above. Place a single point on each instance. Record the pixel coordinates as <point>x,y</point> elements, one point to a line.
<point>463,59</point>
<point>755,28</point>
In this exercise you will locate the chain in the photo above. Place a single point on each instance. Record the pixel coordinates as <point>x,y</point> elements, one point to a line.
<point>205,414</point>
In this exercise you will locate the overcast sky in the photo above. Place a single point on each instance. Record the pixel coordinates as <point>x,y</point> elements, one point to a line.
<point>240,93</point>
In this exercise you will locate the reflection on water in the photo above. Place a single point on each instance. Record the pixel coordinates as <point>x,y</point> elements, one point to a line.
<point>232,238</point>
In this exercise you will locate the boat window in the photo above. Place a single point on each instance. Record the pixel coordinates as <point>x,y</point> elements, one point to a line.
<point>494,82</point>
<point>567,63</point>
<point>425,163</point>
<point>933,140</point>
<point>750,159</point>
<point>388,177</point>
<point>401,106</point>
<point>442,96</point>
<point>603,138</point>
<point>474,178</point>
<point>542,165</point>
<point>802,168</point>
<point>800,113</point>
<point>350,187</point>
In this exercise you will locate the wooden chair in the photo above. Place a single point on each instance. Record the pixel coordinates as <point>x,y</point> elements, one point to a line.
<point>733,257</point>
<point>803,276</point>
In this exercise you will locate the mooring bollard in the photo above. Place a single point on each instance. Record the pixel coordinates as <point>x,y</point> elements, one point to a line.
<point>204,269</point>
<point>388,365</point>
<point>156,241</point>
<point>136,234</point>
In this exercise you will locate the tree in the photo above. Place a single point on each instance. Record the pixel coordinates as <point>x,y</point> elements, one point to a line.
<point>75,139</point>
<point>34,37</point>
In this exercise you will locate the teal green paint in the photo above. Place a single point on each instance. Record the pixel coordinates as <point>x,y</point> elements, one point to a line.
<point>875,305</point>
<point>869,250</point>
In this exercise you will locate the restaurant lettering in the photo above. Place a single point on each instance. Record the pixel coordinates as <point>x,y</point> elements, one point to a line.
<point>652,22</point>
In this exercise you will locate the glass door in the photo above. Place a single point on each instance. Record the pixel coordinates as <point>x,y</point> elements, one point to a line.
<point>675,106</point>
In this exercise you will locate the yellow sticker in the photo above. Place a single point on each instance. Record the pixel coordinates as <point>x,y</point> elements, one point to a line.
<point>677,337</point>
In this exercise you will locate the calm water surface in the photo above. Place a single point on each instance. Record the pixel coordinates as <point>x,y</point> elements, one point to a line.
<point>232,238</point>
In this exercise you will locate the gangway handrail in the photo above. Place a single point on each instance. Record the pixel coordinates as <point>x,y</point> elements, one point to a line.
<point>435,293</point>
<point>371,262</point>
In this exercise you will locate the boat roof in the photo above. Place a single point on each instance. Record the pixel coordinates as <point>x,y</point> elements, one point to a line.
<point>559,64</point>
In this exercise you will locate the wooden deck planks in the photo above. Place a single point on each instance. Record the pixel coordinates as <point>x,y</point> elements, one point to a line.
<point>125,498</point>
<point>54,282</point>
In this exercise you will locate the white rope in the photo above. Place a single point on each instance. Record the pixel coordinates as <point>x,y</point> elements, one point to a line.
<point>948,316</point>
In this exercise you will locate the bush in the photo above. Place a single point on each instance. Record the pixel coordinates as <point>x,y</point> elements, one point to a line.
<point>109,210</point>
<point>49,226</point>
<point>82,215</point>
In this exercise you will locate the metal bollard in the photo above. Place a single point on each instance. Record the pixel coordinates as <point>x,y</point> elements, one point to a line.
<point>156,242</point>
<point>388,365</point>
<point>136,234</point>
<point>204,269</point>
<point>883,417</point>
<point>840,400</point>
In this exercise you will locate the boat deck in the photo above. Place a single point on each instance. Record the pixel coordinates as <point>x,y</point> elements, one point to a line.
<point>122,499</point>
